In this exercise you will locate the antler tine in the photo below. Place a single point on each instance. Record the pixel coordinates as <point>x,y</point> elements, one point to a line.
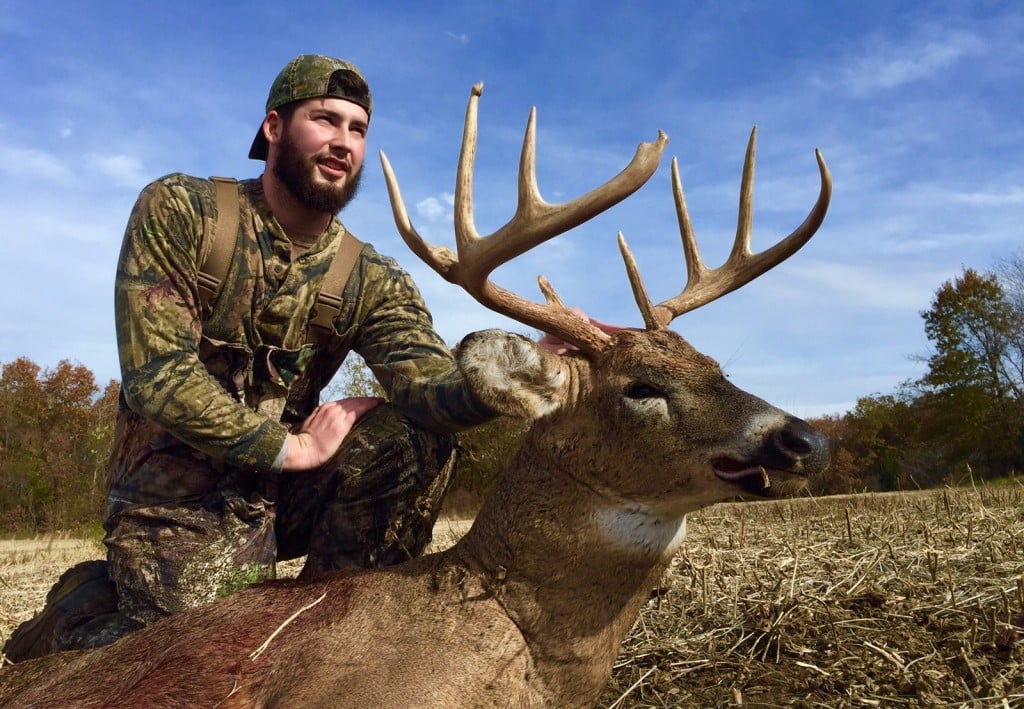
<point>534,222</point>
<point>440,258</point>
<point>704,285</point>
<point>643,300</point>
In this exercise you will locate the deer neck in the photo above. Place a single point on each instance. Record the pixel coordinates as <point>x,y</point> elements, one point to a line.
<point>570,562</point>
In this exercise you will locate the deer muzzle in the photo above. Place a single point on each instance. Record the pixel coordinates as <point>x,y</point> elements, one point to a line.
<point>793,449</point>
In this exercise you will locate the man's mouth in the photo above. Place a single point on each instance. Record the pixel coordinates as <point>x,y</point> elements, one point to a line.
<point>333,167</point>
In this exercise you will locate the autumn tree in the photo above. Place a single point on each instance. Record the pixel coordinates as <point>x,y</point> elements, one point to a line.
<point>54,441</point>
<point>974,387</point>
<point>845,472</point>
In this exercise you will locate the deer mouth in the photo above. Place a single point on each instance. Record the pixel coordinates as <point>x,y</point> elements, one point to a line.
<point>753,478</point>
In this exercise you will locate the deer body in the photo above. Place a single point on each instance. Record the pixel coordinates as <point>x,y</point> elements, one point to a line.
<point>528,609</point>
<point>629,433</point>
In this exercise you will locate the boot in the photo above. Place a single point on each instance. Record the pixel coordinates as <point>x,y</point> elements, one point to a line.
<point>80,612</point>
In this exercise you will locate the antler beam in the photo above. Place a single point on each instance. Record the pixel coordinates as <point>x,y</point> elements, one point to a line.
<point>704,285</point>
<point>534,222</point>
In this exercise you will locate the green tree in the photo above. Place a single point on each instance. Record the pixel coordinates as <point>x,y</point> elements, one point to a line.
<point>975,336</point>
<point>877,438</point>
<point>24,492</point>
<point>353,379</point>
<point>973,388</point>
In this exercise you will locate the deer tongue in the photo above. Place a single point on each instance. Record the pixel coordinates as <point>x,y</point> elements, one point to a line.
<point>732,471</point>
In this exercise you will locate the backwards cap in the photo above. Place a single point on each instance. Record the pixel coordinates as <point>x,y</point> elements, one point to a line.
<point>313,76</point>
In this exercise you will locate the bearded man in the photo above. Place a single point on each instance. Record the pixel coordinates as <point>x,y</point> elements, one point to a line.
<point>224,459</point>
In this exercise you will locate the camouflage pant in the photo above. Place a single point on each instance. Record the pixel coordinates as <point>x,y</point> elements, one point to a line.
<point>373,505</point>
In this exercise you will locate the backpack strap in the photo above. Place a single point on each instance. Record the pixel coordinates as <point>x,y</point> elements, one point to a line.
<point>329,302</point>
<point>216,253</point>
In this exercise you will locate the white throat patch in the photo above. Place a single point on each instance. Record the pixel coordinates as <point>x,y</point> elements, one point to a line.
<point>639,528</point>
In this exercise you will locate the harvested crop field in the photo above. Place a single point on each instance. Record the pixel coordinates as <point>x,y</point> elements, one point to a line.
<point>888,600</point>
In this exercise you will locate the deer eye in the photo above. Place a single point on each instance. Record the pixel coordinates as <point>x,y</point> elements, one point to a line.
<point>642,390</point>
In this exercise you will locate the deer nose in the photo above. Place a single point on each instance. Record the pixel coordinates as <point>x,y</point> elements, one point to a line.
<point>798,440</point>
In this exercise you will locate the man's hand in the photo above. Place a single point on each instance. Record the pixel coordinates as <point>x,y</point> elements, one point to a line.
<point>322,433</point>
<point>558,346</point>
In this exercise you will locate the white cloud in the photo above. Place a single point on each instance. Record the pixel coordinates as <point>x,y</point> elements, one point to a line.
<point>1010,197</point>
<point>890,65</point>
<point>863,286</point>
<point>124,170</point>
<point>431,209</point>
<point>435,208</point>
<point>29,163</point>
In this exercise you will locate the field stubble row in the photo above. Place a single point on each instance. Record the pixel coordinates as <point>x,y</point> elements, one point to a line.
<point>863,600</point>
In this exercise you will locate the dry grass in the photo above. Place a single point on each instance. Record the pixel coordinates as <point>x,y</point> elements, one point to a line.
<point>860,601</point>
<point>902,600</point>
<point>27,570</point>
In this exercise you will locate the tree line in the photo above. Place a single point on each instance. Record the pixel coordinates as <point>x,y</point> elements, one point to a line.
<point>56,428</point>
<point>963,419</point>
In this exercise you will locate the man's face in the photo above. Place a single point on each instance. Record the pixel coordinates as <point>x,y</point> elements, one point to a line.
<point>318,154</point>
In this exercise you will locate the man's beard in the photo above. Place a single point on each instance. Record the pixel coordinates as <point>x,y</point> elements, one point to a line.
<point>296,173</point>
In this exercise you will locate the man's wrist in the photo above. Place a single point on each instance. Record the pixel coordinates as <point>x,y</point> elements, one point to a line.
<point>278,465</point>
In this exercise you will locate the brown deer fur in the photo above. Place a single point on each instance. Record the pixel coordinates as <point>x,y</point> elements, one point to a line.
<point>529,609</point>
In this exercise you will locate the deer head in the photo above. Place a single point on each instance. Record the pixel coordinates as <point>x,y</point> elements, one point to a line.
<point>643,397</point>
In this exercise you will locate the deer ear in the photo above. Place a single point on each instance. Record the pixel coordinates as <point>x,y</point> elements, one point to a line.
<point>512,374</point>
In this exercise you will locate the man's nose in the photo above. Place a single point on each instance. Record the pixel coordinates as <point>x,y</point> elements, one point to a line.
<point>341,141</point>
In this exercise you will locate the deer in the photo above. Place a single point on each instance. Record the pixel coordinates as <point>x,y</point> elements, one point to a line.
<point>630,431</point>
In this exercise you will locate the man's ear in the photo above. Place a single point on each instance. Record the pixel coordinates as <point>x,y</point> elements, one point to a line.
<point>273,127</point>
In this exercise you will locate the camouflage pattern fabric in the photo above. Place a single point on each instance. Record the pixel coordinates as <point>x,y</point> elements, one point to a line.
<point>373,505</point>
<point>195,506</point>
<point>208,398</point>
<point>223,388</point>
<point>376,506</point>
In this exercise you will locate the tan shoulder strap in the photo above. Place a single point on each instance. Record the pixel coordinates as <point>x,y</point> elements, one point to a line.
<point>217,251</point>
<point>328,303</point>
<point>216,254</point>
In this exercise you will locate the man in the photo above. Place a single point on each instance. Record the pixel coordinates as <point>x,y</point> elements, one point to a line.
<point>223,460</point>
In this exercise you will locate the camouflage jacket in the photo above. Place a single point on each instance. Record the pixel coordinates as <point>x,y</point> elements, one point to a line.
<point>219,393</point>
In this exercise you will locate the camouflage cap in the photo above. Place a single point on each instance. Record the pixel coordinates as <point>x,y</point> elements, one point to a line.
<point>312,76</point>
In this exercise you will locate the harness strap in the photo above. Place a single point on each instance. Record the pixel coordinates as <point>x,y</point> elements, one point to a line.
<point>328,303</point>
<point>217,253</point>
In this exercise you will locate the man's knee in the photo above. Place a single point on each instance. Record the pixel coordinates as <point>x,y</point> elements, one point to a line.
<point>391,477</point>
<point>166,558</point>
<point>385,441</point>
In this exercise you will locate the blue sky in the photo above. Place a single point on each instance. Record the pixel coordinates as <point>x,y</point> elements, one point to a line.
<point>916,106</point>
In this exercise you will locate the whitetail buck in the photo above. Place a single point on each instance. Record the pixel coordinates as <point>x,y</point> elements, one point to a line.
<point>529,609</point>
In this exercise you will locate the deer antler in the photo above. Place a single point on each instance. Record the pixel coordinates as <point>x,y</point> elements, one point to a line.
<point>704,285</point>
<point>534,222</point>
